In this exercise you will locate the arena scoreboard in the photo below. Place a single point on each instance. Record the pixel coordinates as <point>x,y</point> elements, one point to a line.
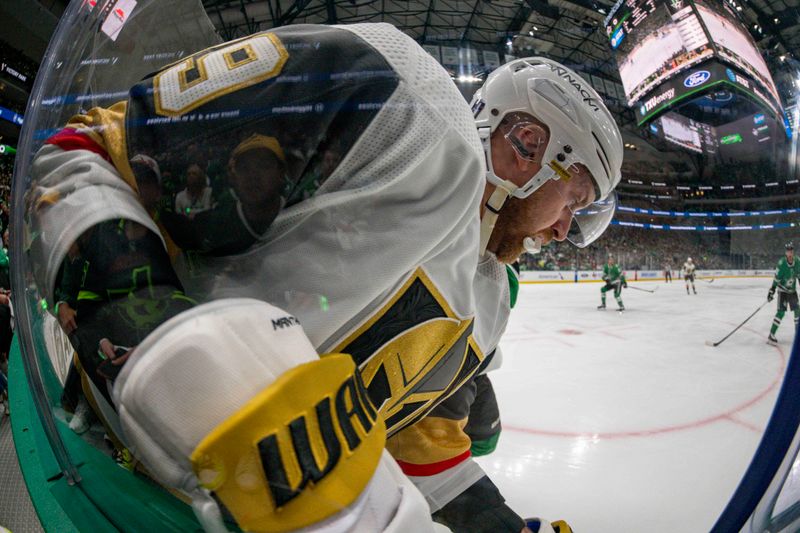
<point>671,51</point>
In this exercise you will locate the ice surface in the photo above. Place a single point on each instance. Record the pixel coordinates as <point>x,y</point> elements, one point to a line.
<point>629,422</point>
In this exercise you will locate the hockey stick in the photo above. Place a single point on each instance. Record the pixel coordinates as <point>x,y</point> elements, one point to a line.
<point>715,344</point>
<point>643,290</point>
<point>707,280</point>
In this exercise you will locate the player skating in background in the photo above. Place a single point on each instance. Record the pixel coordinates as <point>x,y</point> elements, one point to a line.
<point>615,280</point>
<point>688,274</point>
<point>667,273</point>
<point>785,282</point>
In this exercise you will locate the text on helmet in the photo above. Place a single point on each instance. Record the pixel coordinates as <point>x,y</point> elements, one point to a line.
<point>575,82</point>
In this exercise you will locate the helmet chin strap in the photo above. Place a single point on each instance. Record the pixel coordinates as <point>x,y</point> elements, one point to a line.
<point>503,189</point>
<point>491,210</point>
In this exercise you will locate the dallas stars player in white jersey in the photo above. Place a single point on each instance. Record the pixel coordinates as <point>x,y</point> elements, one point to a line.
<point>251,362</point>
<point>688,274</point>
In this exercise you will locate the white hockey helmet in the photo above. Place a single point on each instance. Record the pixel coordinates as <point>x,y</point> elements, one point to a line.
<point>581,131</point>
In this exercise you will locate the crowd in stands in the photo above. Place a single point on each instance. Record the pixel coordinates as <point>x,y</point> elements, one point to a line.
<point>197,176</point>
<point>6,170</point>
<point>648,170</point>
<point>643,249</point>
<point>651,249</point>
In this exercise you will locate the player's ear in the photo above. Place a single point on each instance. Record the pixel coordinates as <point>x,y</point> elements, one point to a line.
<point>531,141</point>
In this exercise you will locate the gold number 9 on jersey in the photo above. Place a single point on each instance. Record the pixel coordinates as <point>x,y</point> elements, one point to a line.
<point>202,77</point>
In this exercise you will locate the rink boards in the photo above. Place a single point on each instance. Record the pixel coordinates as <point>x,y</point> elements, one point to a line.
<point>586,276</point>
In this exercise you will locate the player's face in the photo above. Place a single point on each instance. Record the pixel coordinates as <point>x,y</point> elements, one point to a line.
<point>790,255</point>
<point>257,178</point>
<point>547,213</point>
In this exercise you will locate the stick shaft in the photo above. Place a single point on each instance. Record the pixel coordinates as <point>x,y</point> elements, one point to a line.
<point>638,289</point>
<point>742,324</point>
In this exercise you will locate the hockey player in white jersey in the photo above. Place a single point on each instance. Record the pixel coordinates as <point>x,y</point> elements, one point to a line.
<point>286,233</point>
<point>374,257</point>
<point>554,155</point>
<point>688,274</point>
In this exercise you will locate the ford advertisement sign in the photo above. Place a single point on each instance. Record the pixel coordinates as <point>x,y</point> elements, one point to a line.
<point>695,79</point>
<point>692,84</point>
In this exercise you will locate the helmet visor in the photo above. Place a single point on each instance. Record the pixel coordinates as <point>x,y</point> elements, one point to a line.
<point>589,223</point>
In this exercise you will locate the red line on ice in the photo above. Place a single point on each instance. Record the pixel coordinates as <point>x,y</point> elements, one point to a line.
<point>748,425</point>
<point>728,415</point>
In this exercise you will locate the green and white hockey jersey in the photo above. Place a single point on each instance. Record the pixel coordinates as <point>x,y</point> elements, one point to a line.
<point>786,275</point>
<point>612,273</point>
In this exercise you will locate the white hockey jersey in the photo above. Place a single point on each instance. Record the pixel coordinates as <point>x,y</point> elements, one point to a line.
<point>375,256</point>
